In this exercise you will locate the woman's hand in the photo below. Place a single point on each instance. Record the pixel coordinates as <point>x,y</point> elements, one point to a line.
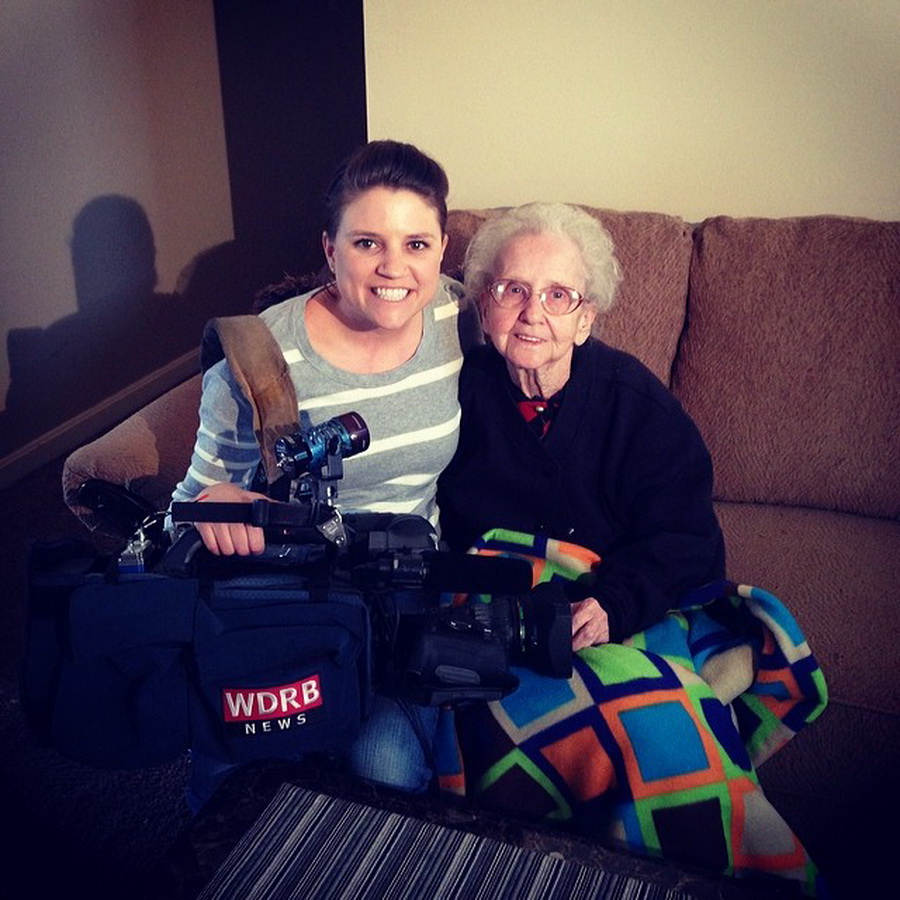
<point>230,538</point>
<point>590,624</point>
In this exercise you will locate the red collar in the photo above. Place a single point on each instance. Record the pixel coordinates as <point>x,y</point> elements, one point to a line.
<point>540,413</point>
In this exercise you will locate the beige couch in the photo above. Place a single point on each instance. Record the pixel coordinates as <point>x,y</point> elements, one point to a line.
<point>780,337</point>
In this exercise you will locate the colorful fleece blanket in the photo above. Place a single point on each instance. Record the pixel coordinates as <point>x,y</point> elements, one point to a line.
<point>652,744</point>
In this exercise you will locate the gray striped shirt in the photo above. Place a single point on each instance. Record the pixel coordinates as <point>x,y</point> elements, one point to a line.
<point>412,413</point>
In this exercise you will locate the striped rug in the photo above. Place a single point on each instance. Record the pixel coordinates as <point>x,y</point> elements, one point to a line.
<point>311,846</point>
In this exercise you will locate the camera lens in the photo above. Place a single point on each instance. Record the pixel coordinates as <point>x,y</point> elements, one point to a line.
<point>307,451</point>
<point>537,629</point>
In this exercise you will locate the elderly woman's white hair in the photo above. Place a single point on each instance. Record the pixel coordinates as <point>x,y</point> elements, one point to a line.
<point>589,236</point>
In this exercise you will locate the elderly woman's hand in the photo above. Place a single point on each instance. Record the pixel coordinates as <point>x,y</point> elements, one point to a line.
<point>590,624</point>
<point>230,538</point>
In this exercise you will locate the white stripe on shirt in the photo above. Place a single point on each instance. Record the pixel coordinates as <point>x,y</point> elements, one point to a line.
<point>354,395</point>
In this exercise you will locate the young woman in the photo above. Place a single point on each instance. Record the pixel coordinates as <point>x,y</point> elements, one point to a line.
<point>383,336</point>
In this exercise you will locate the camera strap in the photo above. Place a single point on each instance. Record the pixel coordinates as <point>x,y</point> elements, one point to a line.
<point>260,370</point>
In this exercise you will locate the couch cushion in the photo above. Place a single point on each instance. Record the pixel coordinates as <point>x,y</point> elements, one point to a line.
<point>838,574</point>
<point>790,360</point>
<point>654,251</point>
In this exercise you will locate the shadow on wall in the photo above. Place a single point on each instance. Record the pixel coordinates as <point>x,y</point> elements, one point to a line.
<point>123,329</point>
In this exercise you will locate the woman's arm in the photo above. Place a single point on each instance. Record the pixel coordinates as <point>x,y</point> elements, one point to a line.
<point>668,538</point>
<point>224,461</point>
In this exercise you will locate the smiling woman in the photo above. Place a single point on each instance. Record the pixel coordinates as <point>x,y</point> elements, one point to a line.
<point>387,325</point>
<point>535,336</point>
<point>575,457</point>
<point>386,258</point>
<point>385,336</point>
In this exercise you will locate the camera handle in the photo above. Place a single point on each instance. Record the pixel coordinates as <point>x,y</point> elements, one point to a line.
<point>261,513</point>
<point>265,514</point>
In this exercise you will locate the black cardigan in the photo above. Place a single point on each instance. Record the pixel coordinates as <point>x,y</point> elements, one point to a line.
<point>623,471</point>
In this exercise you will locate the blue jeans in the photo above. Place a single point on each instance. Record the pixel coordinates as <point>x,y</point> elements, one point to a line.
<point>392,750</point>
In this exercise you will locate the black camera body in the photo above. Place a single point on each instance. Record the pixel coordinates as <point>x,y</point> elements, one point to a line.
<point>425,648</point>
<point>133,657</point>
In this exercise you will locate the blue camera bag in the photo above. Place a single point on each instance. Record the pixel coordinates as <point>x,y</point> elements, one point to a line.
<point>132,670</point>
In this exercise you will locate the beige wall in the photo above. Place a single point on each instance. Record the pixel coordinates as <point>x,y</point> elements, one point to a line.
<point>99,97</point>
<point>104,97</point>
<point>691,107</point>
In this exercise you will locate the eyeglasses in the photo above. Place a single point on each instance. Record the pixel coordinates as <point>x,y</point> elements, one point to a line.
<point>556,299</point>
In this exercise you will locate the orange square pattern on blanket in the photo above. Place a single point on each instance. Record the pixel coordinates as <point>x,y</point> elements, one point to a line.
<point>588,781</point>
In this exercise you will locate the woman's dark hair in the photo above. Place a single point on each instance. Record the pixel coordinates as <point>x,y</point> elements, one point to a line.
<point>377,164</point>
<point>385,164</point>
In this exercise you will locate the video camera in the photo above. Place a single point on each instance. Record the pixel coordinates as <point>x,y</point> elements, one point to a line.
<point>132,657</point>
<point>426,648</point>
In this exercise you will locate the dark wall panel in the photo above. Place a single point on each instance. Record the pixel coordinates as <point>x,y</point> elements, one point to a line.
<point>293,89</point>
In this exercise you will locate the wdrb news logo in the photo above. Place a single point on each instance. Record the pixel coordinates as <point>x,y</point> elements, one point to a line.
<point>272,709</point>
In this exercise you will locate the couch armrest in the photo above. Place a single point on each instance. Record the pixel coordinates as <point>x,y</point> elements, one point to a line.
<point>148,453</point>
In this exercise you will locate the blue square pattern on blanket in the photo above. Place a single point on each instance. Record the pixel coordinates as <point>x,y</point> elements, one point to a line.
<point>667,638</point>
<point>536,696</point>
<point>665,740</point>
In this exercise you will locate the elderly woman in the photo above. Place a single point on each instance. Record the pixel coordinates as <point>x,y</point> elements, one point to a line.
<point>573,455</point>
<point>566,437</point>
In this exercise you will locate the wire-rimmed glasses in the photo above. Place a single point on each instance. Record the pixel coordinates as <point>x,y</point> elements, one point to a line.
<point>556,300</point>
